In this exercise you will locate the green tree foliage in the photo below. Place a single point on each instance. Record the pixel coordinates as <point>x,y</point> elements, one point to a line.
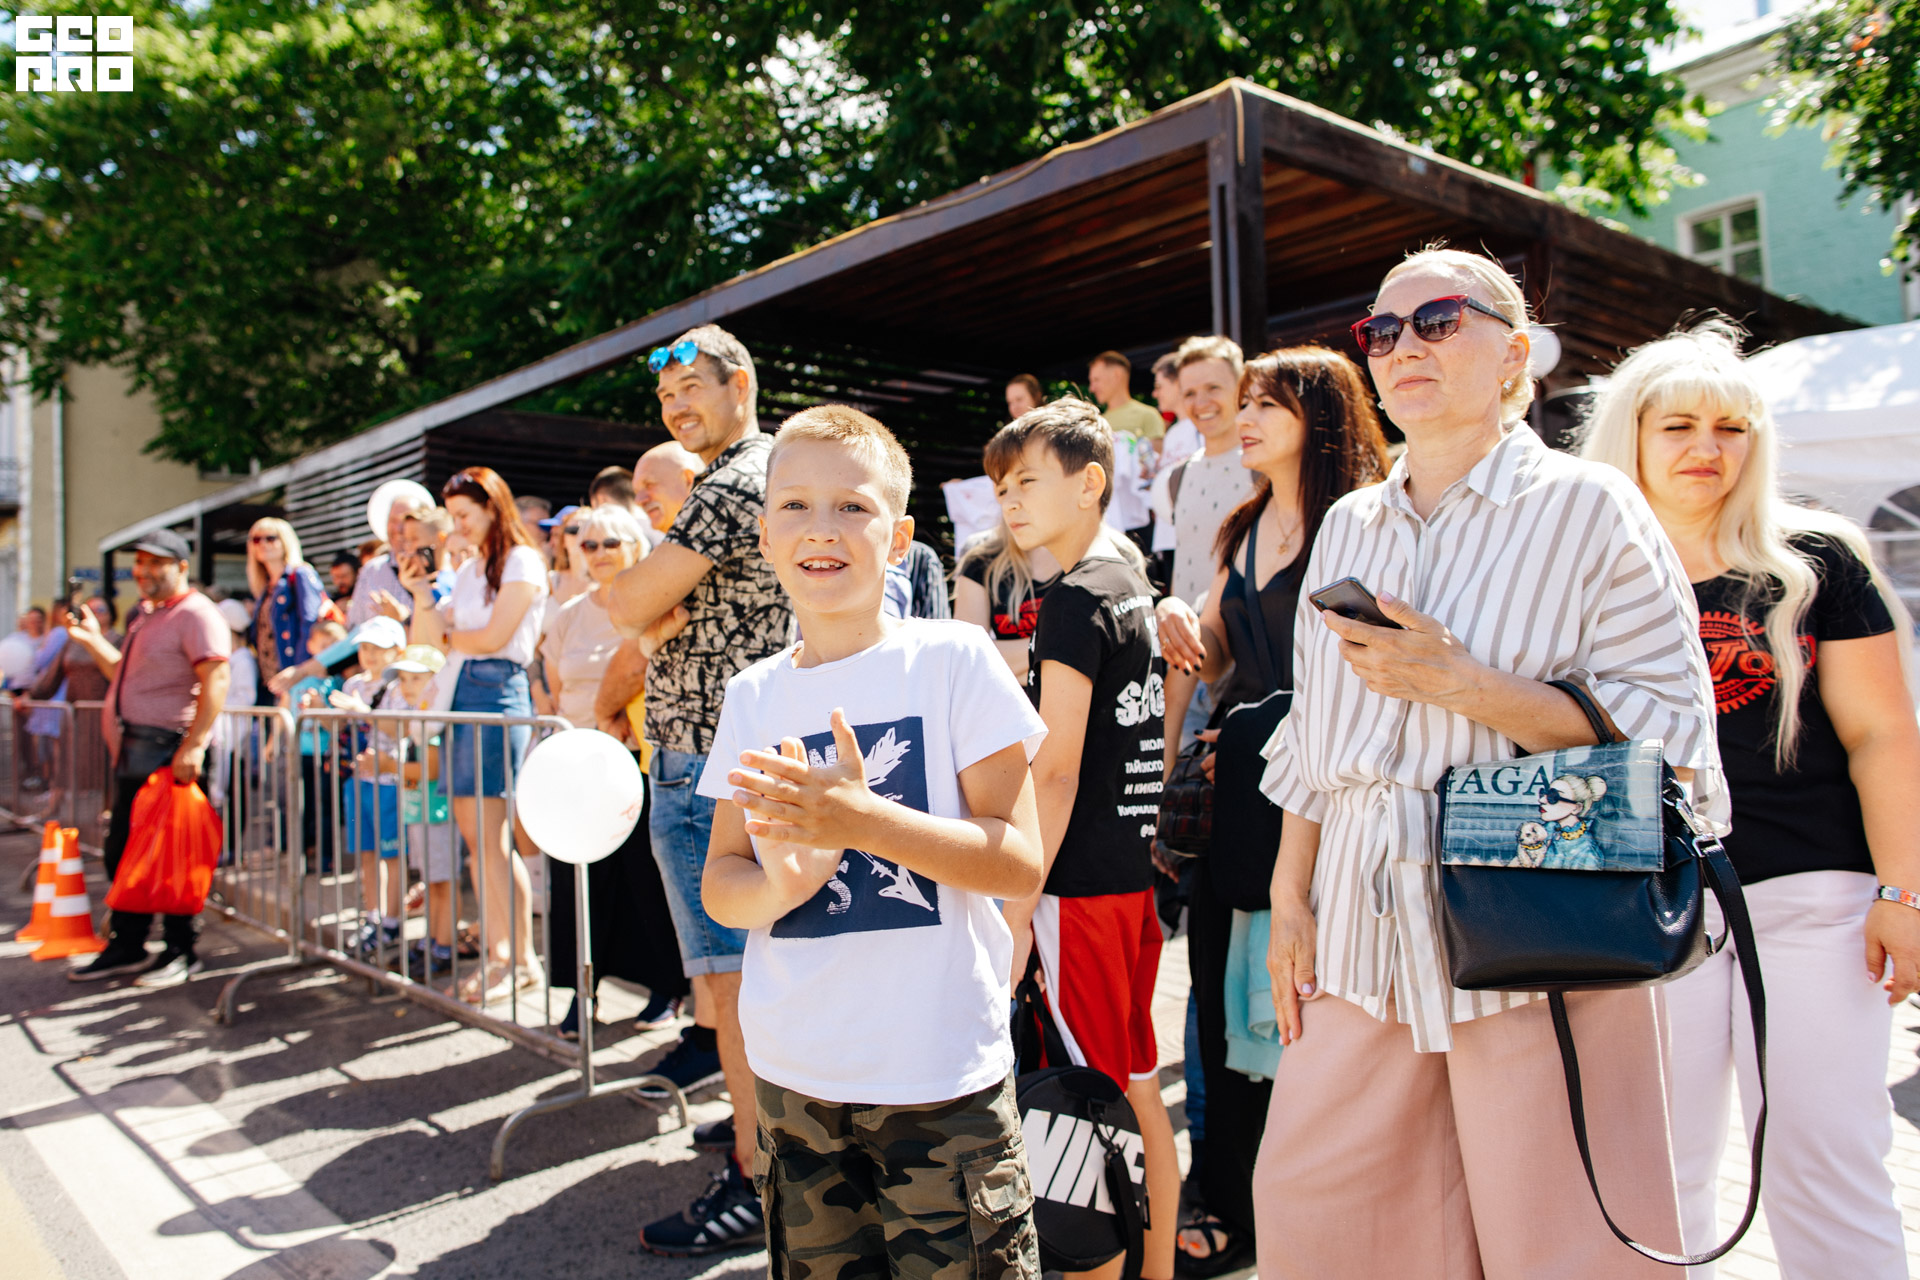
<point>1853,67</point>
<point>309,216</point>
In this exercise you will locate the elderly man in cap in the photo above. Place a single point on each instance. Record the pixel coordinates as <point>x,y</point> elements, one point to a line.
<point>168,683</point>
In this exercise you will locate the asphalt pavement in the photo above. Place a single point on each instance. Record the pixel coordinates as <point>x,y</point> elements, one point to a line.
<point>338,1133</point>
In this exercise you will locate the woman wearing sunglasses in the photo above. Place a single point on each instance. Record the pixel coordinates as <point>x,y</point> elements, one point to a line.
<point>287,593</point>
<point>1816,727</point>
<point>1418,1130</point>
<point>633,936</point>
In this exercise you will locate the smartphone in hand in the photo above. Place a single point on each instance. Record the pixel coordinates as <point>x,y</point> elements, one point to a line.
<point>1350,598</point>
<point>425,556</point>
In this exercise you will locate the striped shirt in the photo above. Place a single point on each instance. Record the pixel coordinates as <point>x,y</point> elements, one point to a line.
<point>1541,565</point>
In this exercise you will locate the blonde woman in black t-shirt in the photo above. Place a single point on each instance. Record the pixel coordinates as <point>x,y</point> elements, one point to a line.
<point>1808,647</point>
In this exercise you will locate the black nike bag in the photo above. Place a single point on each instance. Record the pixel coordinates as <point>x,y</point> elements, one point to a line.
<point>1084,1151</point>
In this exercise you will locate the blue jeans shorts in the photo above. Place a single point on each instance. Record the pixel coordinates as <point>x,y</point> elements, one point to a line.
<point>373,818</point>
<point>681,824</point>
<point>498,686</point>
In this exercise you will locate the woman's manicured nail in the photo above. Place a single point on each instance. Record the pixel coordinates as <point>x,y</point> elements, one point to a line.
<point>1306,988</point>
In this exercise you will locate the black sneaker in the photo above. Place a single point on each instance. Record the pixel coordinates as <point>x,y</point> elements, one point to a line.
<point>726,1216</point>
<point>715,1136</point>
<point>686,1066</point>
<point>173,969</point>
<point>569,1028</point>
<point>660,1012</point>
<point>375,938</point>
<point>115,964</point>
<point>428,960</point>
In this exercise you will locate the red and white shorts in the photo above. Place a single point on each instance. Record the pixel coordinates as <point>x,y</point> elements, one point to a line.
<point>1100,956</point>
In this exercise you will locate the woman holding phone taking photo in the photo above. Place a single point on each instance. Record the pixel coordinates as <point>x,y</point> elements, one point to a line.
<point>1419,1130</point>
<point>490,627</point>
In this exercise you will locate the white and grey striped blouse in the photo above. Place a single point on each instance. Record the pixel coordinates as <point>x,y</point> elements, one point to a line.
<point>1543,566</point>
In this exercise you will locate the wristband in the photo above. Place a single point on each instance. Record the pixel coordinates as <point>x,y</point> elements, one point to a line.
<point>1905,897</point>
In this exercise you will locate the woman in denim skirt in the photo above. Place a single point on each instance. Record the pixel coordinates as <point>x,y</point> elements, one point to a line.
<point>490,625</point>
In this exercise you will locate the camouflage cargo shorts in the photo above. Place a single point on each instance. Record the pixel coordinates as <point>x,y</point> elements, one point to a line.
<point>909,1191</point>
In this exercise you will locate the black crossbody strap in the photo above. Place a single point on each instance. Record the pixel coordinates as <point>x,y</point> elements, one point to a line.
<point>1733,905</point>
<point>1125,1194</point>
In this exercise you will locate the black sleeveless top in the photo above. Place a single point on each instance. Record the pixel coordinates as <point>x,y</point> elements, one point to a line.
<point>1279,600</point>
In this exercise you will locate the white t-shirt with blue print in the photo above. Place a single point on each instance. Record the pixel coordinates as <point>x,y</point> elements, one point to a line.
<point>885,987</point>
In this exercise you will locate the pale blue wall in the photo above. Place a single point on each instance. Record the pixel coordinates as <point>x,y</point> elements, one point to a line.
<point>1818,251</point>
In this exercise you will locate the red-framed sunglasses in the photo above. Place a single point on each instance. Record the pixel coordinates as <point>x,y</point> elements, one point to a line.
<point>1434,321</point>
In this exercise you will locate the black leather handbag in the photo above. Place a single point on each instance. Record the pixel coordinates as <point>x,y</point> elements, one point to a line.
<point>1585,869</point>
<point>1184,828</point>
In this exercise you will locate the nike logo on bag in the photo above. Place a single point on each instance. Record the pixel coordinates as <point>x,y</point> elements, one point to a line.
<point>1069,1165</point>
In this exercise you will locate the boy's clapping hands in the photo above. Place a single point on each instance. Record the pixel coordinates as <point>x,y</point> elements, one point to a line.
<point>819,807</point>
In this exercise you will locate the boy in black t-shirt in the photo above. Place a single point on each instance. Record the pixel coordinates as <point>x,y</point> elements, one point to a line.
<point>1096,674</point>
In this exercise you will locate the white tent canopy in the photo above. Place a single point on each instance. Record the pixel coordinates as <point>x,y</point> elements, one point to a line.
<point>1848,405</point>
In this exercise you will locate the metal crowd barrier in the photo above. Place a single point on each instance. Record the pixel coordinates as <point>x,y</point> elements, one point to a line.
<point>323,822</point>
<point>55,767</point>
<point>292,863</point>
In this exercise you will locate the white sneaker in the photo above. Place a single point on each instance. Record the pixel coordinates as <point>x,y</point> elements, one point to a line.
<point>174,972</point>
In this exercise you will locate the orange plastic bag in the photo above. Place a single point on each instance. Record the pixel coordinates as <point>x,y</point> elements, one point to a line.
<point>172,848</point>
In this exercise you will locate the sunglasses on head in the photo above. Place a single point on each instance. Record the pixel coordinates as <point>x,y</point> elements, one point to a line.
<point>1434,321</point>
<point>685,351</point>
<point>611,544</point>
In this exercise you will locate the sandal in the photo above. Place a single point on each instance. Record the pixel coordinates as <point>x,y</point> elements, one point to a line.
<point>501,980</point>
<point>1206,1246</point>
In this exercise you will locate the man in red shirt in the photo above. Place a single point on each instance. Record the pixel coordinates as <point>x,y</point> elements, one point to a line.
<point>169,682</point>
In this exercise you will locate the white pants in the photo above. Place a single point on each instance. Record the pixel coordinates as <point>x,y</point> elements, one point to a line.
<point>1825,1187</point>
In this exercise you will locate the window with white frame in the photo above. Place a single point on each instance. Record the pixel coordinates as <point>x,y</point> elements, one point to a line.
<point>1729,238</point>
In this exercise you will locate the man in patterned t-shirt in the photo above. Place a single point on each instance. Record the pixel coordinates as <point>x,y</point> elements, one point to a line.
<point>710,563</point>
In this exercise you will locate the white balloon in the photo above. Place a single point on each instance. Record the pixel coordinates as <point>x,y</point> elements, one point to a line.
<point>16,656</point>
<point>383,499</point>
<point>580,795</point>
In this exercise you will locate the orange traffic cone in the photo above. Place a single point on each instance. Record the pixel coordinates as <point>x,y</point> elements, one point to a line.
<point>36,928</point>
<point>70,928</point>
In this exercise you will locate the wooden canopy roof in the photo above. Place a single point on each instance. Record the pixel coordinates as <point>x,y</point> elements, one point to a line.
<point>1239,211</point>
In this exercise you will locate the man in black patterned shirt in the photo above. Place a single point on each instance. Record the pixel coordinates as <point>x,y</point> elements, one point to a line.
<point>710,563</point>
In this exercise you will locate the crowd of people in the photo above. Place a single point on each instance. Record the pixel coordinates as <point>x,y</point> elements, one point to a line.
<point>874,810</point>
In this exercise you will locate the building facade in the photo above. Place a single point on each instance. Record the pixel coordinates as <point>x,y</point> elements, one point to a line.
<point>1769,209</point>
<point>73,468</point>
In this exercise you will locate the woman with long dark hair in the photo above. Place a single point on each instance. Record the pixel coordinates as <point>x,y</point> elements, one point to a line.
<point>490,628</point>
<point>1308,433</point>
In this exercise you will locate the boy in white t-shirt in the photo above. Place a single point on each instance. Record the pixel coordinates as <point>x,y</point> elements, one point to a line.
<point>873,801</point>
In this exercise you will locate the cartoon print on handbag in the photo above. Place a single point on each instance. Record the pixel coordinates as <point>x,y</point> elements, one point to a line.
<point>868,894</point>
<point>1576,809</point>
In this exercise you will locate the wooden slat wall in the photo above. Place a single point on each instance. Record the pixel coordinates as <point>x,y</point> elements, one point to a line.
<point>552,455</point>
<point>329,511</point>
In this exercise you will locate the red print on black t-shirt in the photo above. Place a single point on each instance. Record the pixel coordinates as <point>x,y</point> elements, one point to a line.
<point>1737,657</point>
<point>1008,628</point>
